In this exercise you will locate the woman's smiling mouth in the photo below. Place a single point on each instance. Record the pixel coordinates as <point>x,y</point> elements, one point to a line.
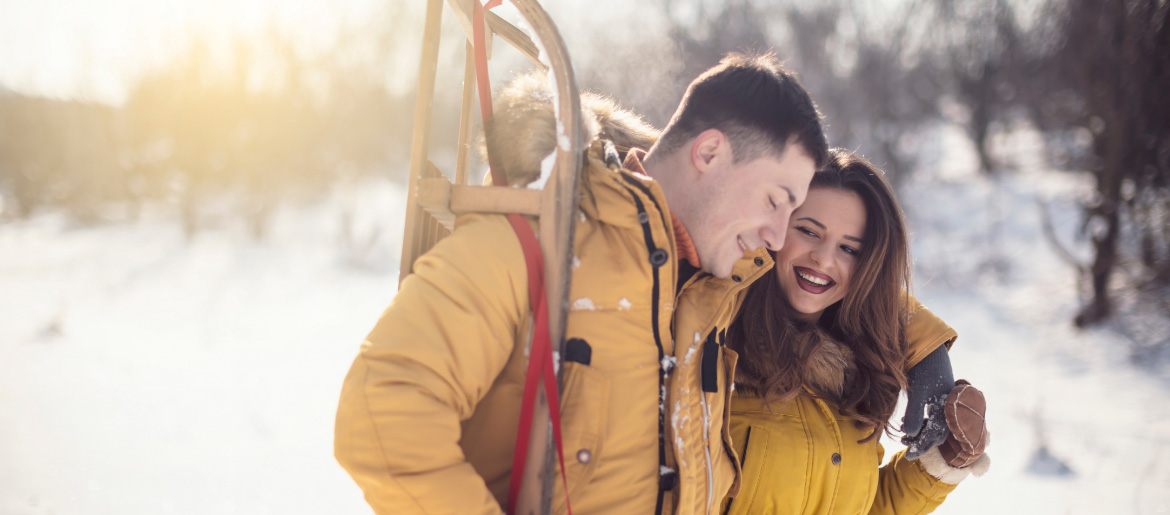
<point>812,281</point>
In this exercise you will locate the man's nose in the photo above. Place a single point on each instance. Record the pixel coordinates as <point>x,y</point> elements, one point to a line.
<point>773,235</point>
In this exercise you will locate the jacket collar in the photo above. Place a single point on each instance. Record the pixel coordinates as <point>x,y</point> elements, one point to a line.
<point>607,190</point>
<point>682,238</point>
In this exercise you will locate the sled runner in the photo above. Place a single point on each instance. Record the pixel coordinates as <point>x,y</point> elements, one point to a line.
<point>433,202</point>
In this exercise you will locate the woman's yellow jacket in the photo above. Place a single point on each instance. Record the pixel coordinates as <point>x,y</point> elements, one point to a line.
<point>804,457</point>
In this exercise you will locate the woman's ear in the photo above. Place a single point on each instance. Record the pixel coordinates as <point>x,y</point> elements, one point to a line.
<point>710,150</point>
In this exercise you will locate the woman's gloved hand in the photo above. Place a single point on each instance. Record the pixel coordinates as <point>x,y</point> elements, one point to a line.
<point>966,410</point>
<point>962,453</point>
<point>930,381</point>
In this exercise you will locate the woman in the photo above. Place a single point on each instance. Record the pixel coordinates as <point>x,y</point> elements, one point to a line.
<point>822,360</point>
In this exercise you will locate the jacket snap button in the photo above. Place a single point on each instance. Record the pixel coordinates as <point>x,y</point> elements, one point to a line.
<point>658,257</point>
<point>737,278</point>
<point>643,218</point>
<point>759,261</point>
<point>836,459</point>
<point>584,456</point>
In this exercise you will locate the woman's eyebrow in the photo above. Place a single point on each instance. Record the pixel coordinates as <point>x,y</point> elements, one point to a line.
<point>854,238</point>
<point>813,221</point>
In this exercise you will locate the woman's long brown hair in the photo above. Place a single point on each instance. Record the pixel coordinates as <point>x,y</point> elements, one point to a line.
<point>775,347</point>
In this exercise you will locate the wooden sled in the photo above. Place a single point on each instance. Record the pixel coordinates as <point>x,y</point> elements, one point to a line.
<point>433,202</point>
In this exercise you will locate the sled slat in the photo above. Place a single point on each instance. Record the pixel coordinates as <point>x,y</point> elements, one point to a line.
<point>463,152</point>
<point>414,232</point>
<point>516,37</point>
<point>487,199</point>
<point>434,196</point>
<point>463,10</point>
<point>444,201</point>
<point>498,26</point>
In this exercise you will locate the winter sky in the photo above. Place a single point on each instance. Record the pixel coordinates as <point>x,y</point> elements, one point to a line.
<point>78,48</point>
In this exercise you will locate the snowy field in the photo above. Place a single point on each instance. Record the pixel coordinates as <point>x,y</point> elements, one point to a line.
<point>142,374</point>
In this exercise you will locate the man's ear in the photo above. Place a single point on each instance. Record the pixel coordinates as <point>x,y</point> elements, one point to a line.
<point>710,150</point>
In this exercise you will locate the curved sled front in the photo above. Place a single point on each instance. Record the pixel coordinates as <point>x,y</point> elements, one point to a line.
<point>433,202</point>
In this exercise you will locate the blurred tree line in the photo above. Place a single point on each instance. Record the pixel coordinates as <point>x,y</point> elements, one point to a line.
<point>229,131</point>
<point>1090,76</point>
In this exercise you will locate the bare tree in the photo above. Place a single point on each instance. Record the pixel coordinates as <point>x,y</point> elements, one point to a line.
<point>1107,73</point>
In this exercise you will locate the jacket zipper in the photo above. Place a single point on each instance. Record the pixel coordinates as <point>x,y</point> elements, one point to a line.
<point>644,220</point>
<point>707,448</point>
<point>658,341</point>
<point>711,340</point>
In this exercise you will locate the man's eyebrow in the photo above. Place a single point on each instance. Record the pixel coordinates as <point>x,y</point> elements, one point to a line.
<point>814,222</point>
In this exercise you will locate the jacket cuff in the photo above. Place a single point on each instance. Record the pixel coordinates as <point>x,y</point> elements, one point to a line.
<point>934,464</point>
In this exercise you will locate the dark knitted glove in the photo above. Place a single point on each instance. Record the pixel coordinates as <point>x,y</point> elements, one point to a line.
<point>930,381</point>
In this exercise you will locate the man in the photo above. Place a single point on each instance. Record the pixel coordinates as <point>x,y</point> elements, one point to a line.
<point>665,244</point>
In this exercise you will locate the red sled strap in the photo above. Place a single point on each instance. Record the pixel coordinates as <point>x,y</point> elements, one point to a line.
<point>540,365</point>
<point>540,358</point>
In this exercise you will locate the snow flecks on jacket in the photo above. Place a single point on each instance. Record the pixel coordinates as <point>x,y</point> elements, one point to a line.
<point>625,304</point>
<point>677,421</point>
<point>668,364</point>
<point>584,304</point>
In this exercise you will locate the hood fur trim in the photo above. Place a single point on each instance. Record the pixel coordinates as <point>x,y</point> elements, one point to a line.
<point>829,367</point>
<point>522,130</point>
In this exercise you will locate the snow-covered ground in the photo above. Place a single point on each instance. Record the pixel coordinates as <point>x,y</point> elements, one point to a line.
<point>141,373</point>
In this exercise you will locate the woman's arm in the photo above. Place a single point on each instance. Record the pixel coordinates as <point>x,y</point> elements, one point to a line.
<point>921,486</point>
<point>930,381</point>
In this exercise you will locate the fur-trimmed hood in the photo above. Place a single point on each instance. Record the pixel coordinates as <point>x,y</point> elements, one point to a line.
<point>830,366</point>
<point>522,130</point>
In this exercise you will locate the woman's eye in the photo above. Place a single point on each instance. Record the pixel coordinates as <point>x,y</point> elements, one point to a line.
<point>805,231</point>
<point>850,250</point>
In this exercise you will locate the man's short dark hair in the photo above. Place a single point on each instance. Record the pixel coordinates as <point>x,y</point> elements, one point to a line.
<point>756,103</point>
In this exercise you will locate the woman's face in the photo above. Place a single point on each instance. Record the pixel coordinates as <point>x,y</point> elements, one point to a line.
<point>821,249</point>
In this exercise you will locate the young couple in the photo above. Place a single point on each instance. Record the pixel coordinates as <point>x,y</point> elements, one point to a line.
<point>739,326</point>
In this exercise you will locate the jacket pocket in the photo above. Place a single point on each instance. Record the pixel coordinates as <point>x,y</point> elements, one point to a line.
<point>755,456</point>
<point>730,358</point>
<point>776,471</point>
<point>583,419</point>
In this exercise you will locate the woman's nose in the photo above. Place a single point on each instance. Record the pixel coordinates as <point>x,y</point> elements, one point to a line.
<point>821,255</point>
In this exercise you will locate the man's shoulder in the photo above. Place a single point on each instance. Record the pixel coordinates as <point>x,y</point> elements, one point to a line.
<point>480,242</point>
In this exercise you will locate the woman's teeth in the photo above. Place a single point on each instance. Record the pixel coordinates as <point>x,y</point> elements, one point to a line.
<point>815,280</point>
